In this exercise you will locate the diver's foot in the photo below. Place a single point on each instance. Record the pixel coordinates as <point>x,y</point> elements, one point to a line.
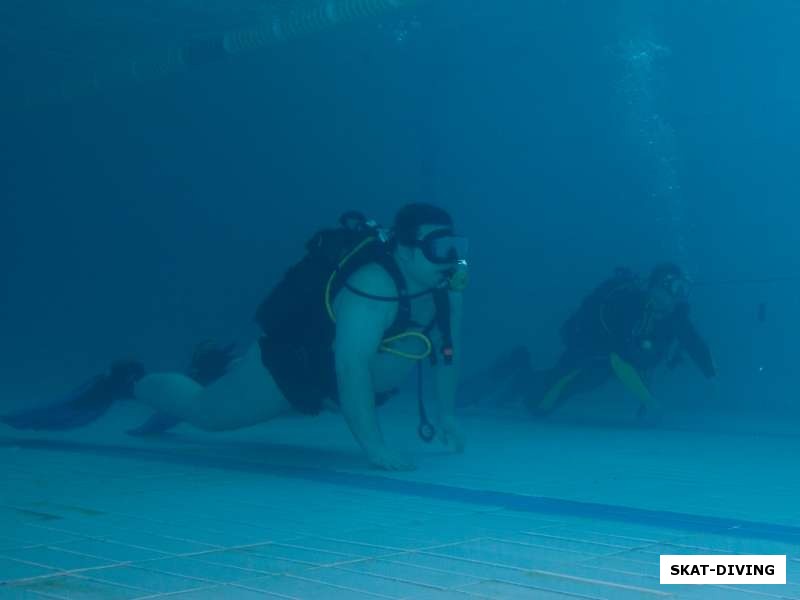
<point>84,405</point>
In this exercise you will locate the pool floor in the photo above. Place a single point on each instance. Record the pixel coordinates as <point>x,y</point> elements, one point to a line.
<point>290,510</point>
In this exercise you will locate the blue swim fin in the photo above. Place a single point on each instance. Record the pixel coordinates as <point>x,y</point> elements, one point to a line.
<point>84,405</point>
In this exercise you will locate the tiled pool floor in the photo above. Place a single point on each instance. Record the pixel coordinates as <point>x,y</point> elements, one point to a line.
<point>289,510</point>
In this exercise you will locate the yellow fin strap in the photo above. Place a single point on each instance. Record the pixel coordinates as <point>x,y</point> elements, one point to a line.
<point>554,393</point>
<point>630,378</point>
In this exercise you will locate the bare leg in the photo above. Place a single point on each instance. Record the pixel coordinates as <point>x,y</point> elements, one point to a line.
<point>244,396</point>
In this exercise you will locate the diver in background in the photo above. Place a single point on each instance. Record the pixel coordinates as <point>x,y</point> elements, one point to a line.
<point>625,327</point>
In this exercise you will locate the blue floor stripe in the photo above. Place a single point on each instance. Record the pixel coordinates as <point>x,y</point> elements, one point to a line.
<point>489,498</point>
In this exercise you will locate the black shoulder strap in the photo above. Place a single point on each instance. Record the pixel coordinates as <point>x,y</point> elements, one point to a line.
<point>402,320</point>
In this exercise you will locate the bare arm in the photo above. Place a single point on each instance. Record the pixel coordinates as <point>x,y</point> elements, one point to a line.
<point>446,379</point>
<point>360,325</point>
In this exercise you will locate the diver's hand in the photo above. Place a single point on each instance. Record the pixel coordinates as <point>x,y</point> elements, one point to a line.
<point>450,434</point>
<point>385,458</point>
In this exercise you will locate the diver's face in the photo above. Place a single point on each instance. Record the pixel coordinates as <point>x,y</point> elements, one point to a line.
<point>423,272</point>
<point>662,300</point>
<point>667,293</point>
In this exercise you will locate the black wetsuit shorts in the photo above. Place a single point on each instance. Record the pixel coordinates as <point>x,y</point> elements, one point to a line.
<point>305,374</point>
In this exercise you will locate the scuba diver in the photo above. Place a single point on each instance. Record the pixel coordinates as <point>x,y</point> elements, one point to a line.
<point>92,400</point>
<point>341,330</point>
<point>626,327</point>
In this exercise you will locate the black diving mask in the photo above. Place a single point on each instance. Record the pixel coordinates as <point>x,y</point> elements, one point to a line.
<point>677,287</point>
<point>443,247</point>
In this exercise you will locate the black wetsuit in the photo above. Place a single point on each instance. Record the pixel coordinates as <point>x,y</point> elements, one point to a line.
<point>622,322</point>
<point>614,318</point>
<point>300,358</point>
<point>305,372</point>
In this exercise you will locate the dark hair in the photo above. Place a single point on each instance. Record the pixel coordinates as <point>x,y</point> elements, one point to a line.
<point>663,270</point>
<point>412,216</point>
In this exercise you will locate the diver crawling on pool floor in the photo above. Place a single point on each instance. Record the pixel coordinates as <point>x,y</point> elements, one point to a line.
<point>342,329</point>
<point>626,327</point>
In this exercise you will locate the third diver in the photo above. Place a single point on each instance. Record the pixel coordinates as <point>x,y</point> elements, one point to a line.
<point>625,327</point>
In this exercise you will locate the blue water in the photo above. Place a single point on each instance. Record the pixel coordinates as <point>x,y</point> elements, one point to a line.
<point>566,138</point>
